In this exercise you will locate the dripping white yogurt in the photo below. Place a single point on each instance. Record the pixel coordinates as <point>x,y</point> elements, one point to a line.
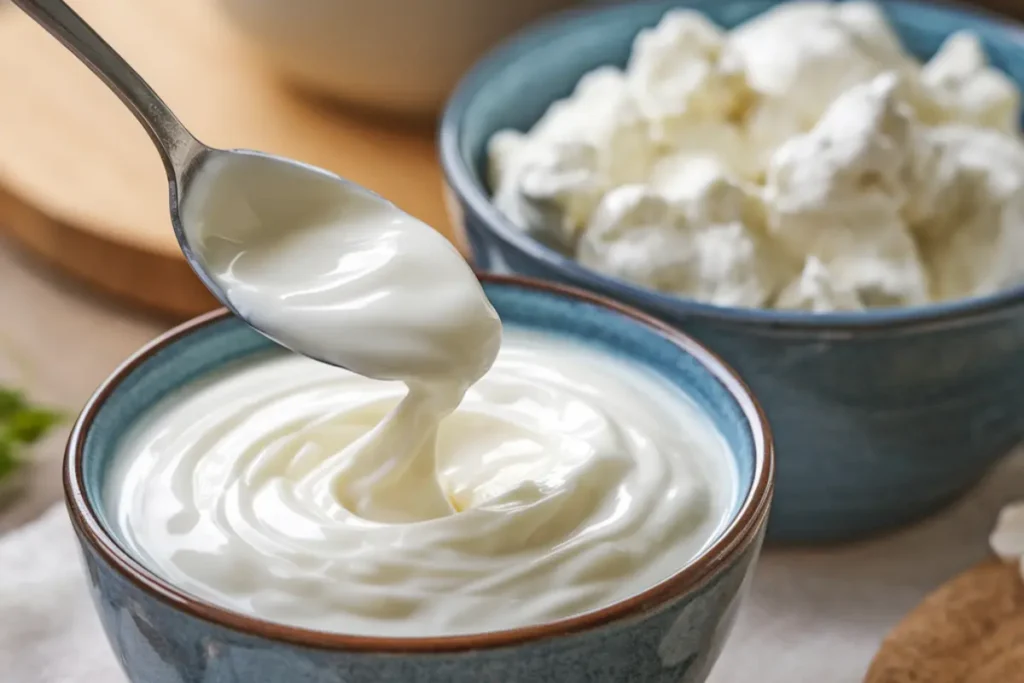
<point>449,481</point>
<point>339,274</point>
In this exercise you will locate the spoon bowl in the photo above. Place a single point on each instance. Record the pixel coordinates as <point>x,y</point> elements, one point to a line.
<point>248,192</point>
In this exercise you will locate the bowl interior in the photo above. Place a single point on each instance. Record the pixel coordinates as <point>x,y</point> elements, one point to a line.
<point>207,347</point>
<point>515,84</point>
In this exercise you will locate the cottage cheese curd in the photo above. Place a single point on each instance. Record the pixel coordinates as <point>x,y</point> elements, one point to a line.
<point>963,88</point>
<point>449,480</point>
<point>855,176</point>
<point>837,194</point>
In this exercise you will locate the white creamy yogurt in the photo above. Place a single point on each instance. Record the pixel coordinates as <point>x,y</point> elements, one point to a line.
<point>446,481</point>
<point>858,166</point>
<point>339,274</point>
<point>575,479</point>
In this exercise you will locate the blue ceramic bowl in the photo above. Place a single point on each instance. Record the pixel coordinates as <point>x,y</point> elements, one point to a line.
<point>671,632</point>
<point>880,417</point>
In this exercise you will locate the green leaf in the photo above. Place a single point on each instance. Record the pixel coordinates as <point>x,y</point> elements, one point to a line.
<point>11,402</point>
<point>31,424</point>
<point>21,424</point>
<point>8,461</point>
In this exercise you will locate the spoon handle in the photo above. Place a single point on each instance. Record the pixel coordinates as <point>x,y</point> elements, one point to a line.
<point>177,146</point>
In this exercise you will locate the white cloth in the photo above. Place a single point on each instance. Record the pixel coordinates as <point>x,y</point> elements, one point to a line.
<point>49,632</point>
<point>815,614</point>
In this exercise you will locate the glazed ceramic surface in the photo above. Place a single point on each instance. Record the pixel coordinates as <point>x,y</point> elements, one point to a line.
<point>401,55</point>
<point>671,633</point>
<point>881,417</point>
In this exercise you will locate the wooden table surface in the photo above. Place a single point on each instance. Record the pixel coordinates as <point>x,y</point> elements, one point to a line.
<point>82,186</point>
<point>58,342</point>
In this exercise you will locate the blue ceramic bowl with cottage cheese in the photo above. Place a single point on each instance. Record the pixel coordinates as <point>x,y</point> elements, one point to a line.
<point>672,632</point>
<point>880,417</point>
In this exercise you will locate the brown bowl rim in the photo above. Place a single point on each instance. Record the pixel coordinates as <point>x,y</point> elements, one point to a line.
<point>738,535</point>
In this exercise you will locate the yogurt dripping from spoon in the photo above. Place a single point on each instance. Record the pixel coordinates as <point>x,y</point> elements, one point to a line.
<point>565,479</point>
<point>336,273</point>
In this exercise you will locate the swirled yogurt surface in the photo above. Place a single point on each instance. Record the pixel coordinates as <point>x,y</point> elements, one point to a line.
<point>448,480</point>
<point>574,479</point>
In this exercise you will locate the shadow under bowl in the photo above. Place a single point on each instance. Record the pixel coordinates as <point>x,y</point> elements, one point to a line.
<point>880,417</point>
<point>671,632</point>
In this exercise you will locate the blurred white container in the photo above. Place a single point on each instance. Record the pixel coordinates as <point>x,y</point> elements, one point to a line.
<point>401,55</point>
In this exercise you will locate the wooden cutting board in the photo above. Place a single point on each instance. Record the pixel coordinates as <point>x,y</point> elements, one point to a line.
<point>81,185</point>
<point>971,630</point>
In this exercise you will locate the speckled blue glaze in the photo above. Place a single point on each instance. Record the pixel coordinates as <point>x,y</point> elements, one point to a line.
<point>160,637</point>
<point>880,418</point>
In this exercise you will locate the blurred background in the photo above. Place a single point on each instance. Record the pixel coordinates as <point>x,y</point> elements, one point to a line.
<point>90,270</point>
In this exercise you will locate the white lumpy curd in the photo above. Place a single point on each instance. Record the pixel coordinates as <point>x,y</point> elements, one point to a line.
<point>450,480</point>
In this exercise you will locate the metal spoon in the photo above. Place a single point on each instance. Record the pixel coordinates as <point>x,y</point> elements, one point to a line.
<point>184,157</point>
